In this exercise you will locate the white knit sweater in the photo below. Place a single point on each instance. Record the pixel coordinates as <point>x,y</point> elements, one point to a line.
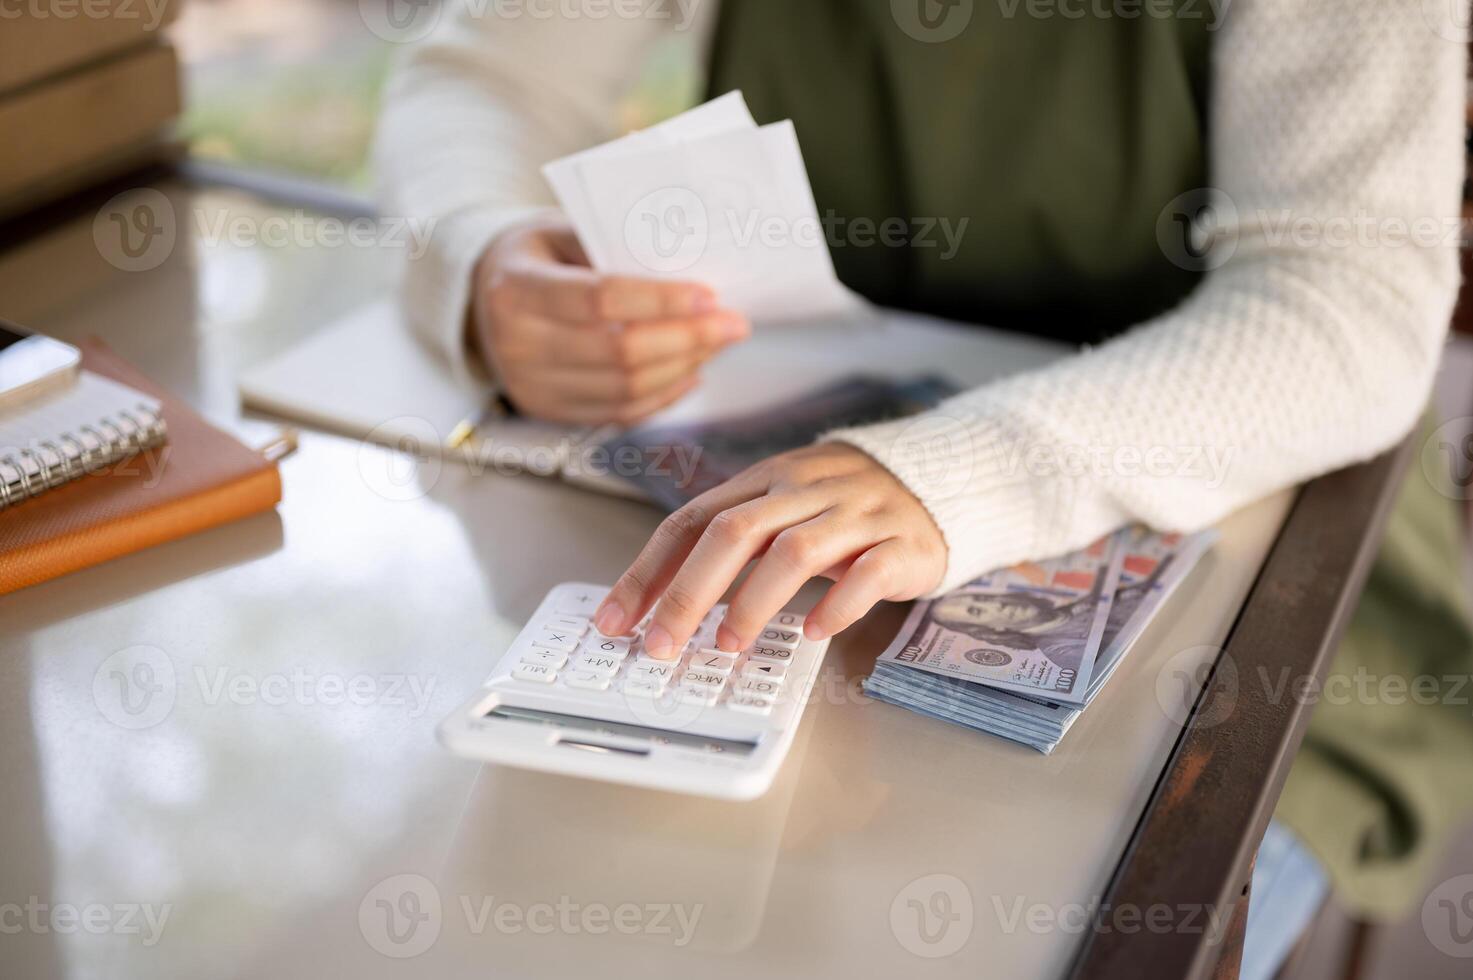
<point>1336,133</point>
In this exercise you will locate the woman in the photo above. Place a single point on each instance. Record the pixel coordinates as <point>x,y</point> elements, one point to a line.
<point>1070,136</point>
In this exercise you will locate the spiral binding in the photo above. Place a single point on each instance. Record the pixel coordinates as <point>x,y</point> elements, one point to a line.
<point>48,463</point>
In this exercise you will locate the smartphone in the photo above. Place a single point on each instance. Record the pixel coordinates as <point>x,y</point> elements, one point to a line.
<point>32,364</point>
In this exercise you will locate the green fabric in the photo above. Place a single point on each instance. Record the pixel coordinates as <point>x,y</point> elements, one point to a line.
<point>1060,140</point>
<point>1384,776</point>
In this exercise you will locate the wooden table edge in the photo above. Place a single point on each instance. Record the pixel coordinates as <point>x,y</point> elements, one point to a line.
<point>1194,846</point>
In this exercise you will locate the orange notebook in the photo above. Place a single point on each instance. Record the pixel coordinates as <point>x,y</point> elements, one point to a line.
<point>198,479</point>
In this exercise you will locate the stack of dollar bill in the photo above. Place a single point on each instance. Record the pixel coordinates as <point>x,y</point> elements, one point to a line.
<point>1022,651</point>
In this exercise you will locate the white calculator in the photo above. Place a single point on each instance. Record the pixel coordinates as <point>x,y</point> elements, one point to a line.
<point>566,699</point>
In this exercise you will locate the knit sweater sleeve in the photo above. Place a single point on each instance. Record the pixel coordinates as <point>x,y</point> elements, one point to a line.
<point>470,115</point>
<point>1336,159</point>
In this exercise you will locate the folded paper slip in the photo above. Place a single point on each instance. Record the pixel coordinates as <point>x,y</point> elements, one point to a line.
<point>199,479</point>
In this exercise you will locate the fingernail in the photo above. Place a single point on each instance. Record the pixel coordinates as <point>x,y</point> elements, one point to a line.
<point>726,639</point>
<point>735,327</point>
<point>658,643</point>
<point>814,631</point>
<point>609,620</point>
<point>704,301</point>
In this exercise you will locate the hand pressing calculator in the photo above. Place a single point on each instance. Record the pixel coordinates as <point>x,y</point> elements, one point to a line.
<point>564,698</point>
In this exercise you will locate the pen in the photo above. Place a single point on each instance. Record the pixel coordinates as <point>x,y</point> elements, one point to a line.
<point>494,408</point>
<point>281,447</point>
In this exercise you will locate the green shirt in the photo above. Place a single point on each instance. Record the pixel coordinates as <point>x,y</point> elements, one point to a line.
<point>1025,161</point>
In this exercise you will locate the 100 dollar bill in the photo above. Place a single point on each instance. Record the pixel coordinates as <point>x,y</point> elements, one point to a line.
<point>1033,628</point>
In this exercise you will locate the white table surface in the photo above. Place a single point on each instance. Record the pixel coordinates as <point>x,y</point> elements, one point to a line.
<point>276,821</point>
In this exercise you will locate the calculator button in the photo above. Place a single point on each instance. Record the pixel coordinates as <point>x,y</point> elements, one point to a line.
<point>779,636</point>
<point>607,646</point>
<point>775,654</point>
<point>698,695</point>
<point>587,680</point>
<point>555,638</point>
<point>653,673</point>
<point>715,661</point>
<point>704,678</point>
<point>765,669</point>
<point>755,688</point>
<point>644,656</point>
<point>644,688</point>
<point>751,706</point>
<point>788,621</point>
<point>576,625</point>
<point>551,658</point>
<point>537,673</point>
<point>601,665</point>
<point>579,602</point>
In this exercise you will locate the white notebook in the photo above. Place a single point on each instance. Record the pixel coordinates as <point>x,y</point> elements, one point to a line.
<point>368,377</point>
<point>73,431</point>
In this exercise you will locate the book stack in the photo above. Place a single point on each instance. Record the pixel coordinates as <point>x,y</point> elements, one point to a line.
<point>87,93</point>
<point>111,464</point>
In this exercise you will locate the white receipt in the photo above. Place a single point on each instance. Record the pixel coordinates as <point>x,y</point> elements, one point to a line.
<point>707,196</point>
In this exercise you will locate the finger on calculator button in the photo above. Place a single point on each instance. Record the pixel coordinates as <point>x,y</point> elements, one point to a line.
<point>716,661</point>
<point>607,646</point>
<point>777,636</point>
<point>538,673</point>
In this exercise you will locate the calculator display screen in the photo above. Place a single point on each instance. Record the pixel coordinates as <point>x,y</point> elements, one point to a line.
<point>597,726</point>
